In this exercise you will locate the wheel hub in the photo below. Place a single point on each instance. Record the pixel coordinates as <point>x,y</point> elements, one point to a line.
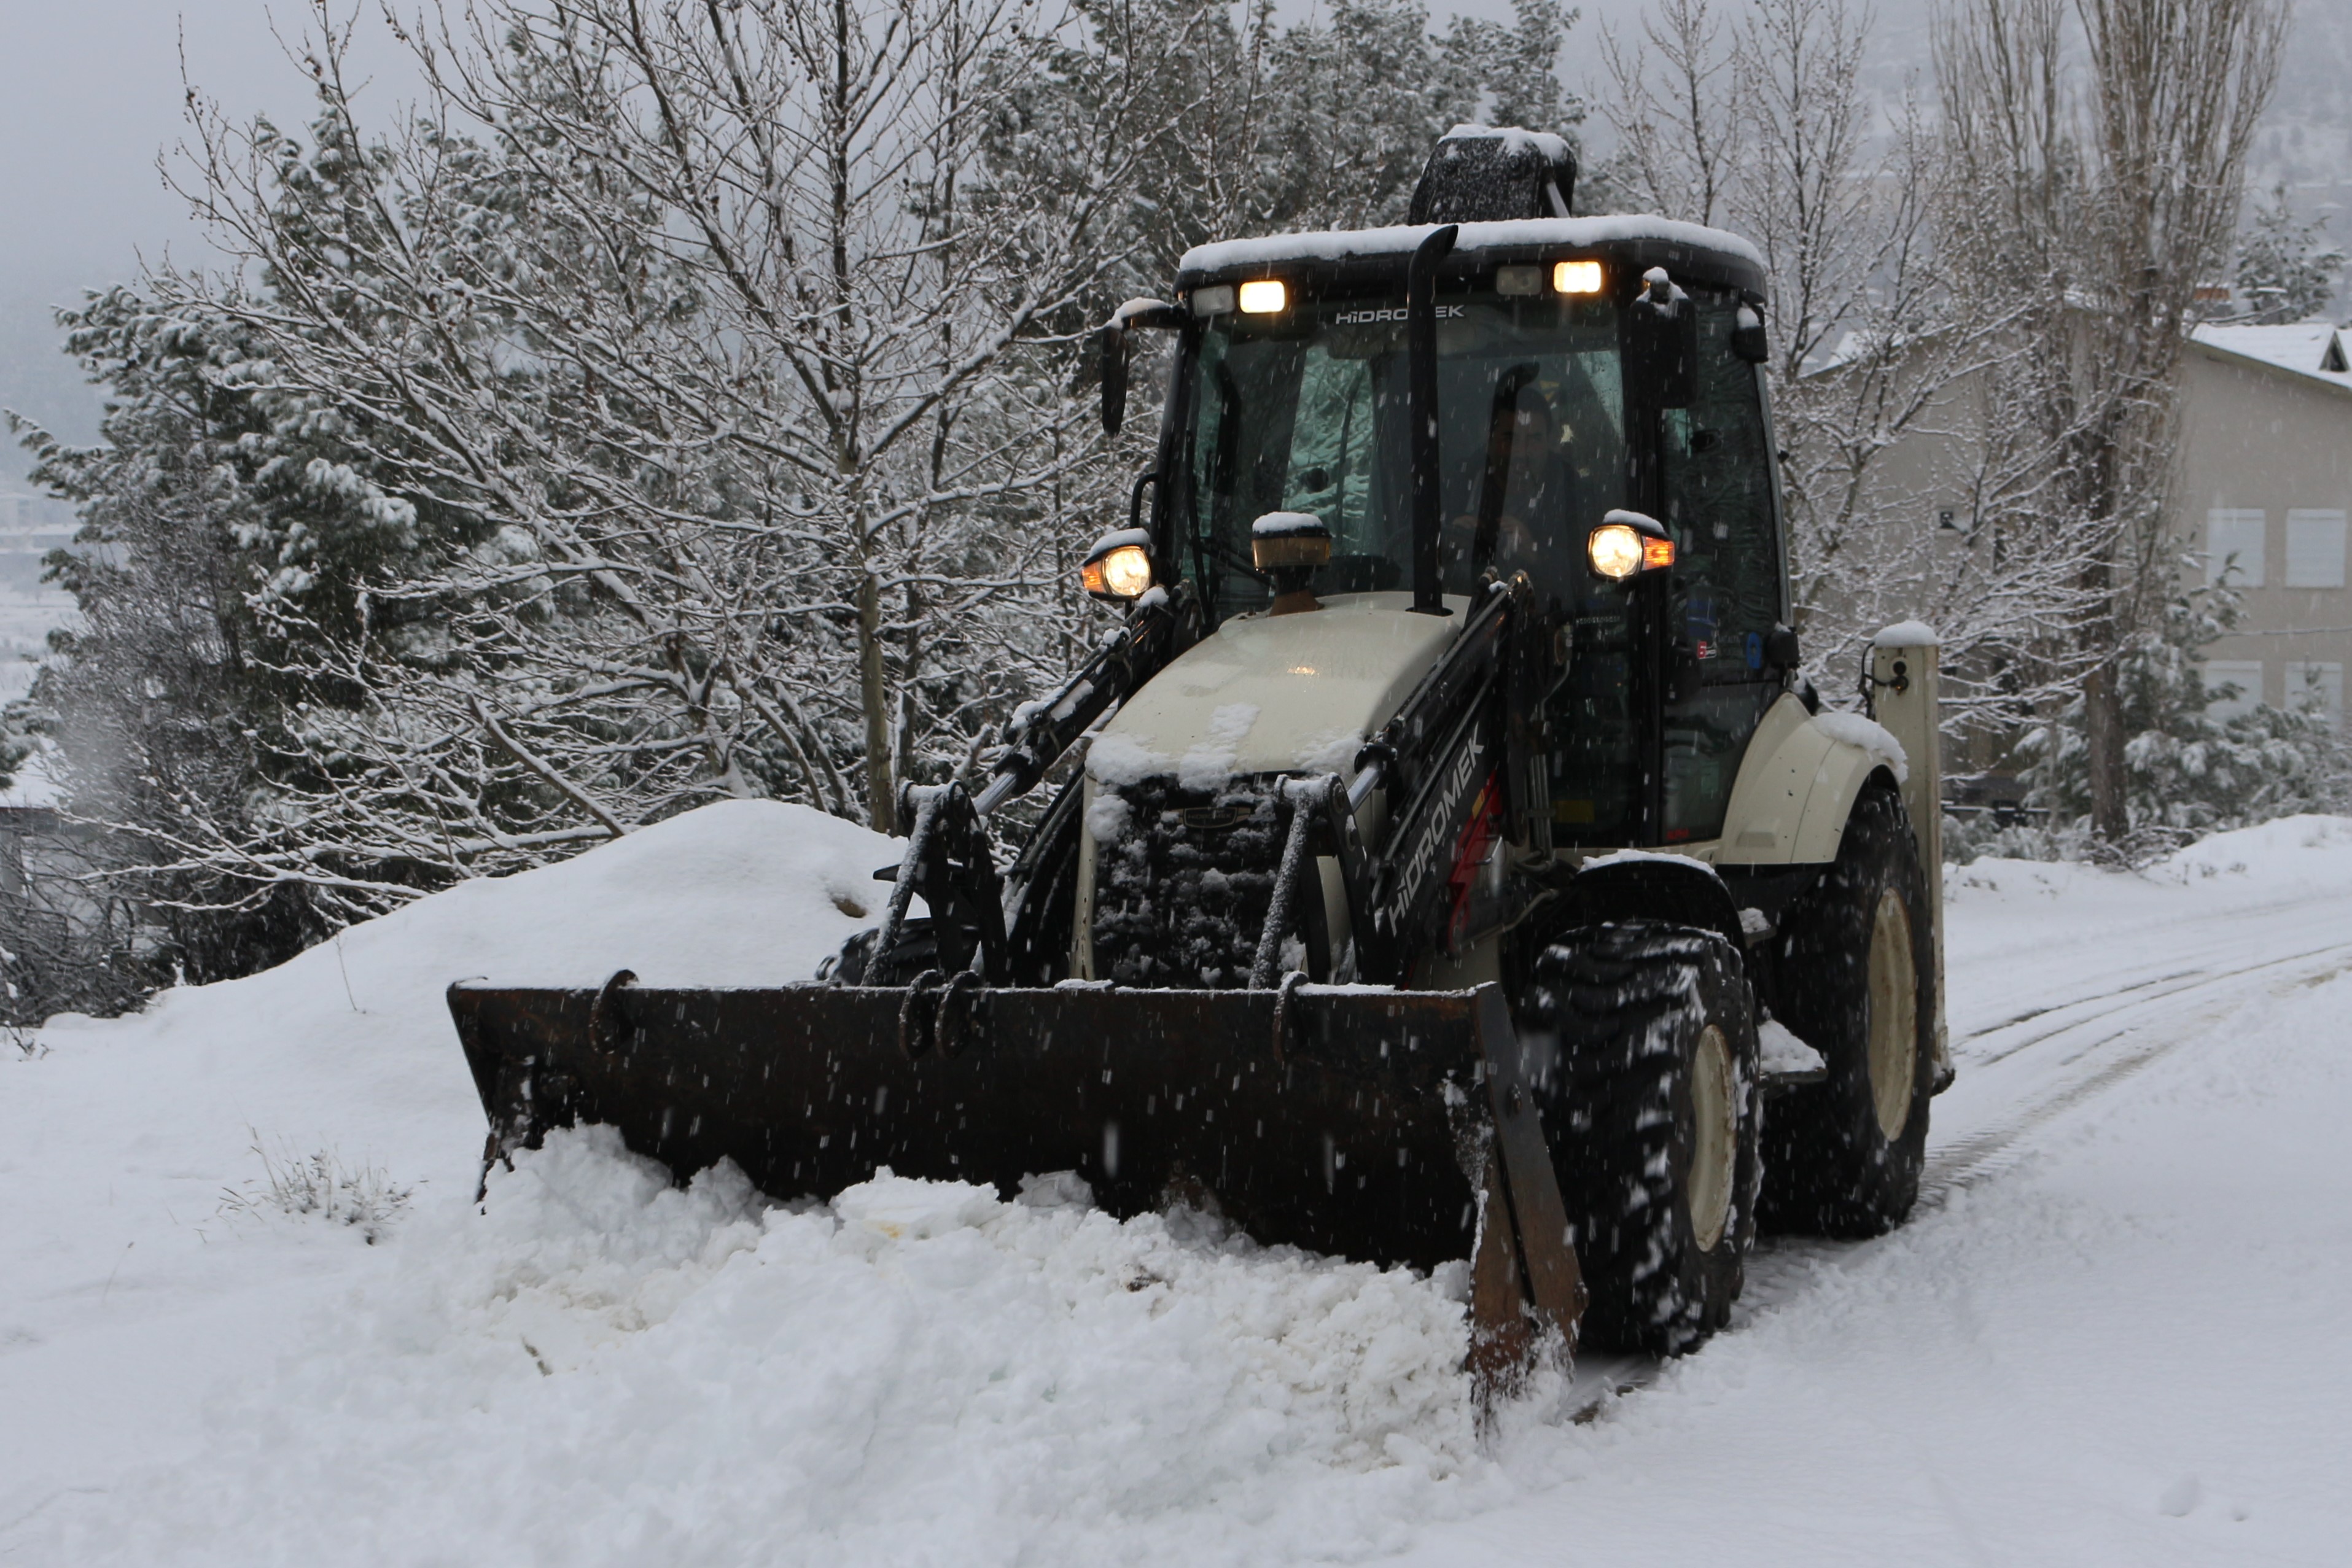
<point>1894,1016</point>
<point>1715,1141</point>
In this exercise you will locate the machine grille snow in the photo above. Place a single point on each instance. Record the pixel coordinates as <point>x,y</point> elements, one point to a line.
<point>1180,894</point>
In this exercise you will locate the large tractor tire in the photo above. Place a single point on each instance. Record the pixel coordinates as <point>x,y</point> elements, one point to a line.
<point>1652,1113</point>
<point>1857,982</point>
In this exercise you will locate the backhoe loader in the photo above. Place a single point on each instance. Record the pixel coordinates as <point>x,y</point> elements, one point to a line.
<point>1440,836</point>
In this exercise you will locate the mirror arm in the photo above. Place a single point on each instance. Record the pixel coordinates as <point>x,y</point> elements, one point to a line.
<point>1135,499</point>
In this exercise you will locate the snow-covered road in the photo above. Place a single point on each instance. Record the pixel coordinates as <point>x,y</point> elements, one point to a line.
<point>2118,1331</point>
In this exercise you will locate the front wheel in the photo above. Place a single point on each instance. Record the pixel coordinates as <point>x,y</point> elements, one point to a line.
<point>1654,1118</point>
<point>1858,985</point>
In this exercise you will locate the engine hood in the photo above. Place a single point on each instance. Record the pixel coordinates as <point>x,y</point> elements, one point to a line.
<point>1289,694</point>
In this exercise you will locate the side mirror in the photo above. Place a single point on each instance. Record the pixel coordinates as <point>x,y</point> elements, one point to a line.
<point>1662,344</point>
<point>1114,377</point>
<point>1748,336</point>
<point>1150,313</point>
<point>1780,649</point>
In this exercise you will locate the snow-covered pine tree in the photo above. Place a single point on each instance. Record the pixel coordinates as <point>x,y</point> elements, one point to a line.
<point>2287,271</point>
<point>2191,772</point>
<point>163,709</point>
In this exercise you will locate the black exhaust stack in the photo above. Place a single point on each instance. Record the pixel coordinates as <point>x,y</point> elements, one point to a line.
<point>1421,391</point>
<point>1478,173</point>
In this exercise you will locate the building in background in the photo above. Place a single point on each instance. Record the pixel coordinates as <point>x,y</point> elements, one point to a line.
<point>2262,494</point>
<point>2265,488</point>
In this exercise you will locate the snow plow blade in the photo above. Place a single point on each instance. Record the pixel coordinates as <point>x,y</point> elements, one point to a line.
<point>1390,1126</point>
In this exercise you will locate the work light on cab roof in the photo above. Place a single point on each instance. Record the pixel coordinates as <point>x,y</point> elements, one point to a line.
<point>1265,296</point>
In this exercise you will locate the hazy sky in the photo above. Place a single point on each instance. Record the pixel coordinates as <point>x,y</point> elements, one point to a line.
<point>91,95</point>
<point>90,92</point>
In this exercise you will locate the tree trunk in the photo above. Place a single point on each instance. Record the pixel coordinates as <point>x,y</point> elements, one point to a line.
<point>2103,735</point>
<point>874,702</point>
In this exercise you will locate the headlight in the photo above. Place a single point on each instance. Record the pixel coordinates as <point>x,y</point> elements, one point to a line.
<point>1615,551</point>
<point>1119,568</point>
<point>1628,542</point>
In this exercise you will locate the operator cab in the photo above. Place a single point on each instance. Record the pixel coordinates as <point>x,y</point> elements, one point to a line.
<point>1585,365</point>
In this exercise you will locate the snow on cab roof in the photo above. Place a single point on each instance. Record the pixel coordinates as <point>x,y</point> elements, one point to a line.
<point>1332,245</point>
<point>1551,146</point>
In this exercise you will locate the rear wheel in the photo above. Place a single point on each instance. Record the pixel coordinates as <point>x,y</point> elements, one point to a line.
<point>1652,1119</point>
<point>1843,1157</point>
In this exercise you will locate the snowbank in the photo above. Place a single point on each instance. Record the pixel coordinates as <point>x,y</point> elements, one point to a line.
<point>2216,876</point>
<point>351,1042</point>
<point>600,1368</point>
<point>127,1296</point>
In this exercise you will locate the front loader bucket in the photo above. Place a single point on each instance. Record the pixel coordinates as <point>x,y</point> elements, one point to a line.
<point>1390,1126</point>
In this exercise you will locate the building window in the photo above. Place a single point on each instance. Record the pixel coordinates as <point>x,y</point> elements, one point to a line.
<point>2315,547</point>
<point>2316,684</point>
<point>2245,674</point>
<point>2233,542</point>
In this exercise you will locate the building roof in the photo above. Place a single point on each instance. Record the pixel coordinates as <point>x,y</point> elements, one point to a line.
<point>2314,349</point>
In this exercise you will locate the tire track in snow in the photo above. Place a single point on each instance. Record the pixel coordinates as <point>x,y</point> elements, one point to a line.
<point>2145,1014</point>
<point>2079,1030</point>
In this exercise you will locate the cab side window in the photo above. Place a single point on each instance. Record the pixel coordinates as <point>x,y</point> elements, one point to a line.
<point>1718,474</point>
<point>1728,586</point>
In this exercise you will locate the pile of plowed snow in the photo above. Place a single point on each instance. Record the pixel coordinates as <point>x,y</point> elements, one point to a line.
<point>605,1369</point>
<point>596,1366</point>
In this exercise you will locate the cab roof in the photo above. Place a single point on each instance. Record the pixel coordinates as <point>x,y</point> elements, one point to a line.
<point>1635,242</point>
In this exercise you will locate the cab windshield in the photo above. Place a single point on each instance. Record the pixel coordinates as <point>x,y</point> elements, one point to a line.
<point>1305,412</point>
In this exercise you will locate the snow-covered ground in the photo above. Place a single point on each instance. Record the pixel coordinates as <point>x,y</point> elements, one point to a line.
<point>2118,1331</point>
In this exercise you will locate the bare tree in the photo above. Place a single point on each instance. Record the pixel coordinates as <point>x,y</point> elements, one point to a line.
<point>2102,206</point>
<point>705,320</point>
<point>1670,99</point>
<point>685,401</point>
<point>1763,123</point>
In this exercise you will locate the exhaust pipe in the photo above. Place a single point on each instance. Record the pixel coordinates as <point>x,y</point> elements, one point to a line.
<point>1421,392</point>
